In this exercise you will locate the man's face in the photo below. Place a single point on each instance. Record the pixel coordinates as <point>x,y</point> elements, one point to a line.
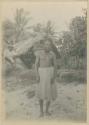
<point>47,45</point>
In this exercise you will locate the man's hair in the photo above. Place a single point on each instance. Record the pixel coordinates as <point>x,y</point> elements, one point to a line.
<point>53,47</point>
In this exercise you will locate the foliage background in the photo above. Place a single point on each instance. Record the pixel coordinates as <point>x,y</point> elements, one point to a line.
<point>70,47</point>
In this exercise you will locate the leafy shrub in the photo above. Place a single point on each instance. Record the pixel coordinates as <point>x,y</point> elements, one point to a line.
<point>71,77</point>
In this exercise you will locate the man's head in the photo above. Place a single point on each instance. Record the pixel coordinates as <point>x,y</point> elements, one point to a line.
<point>47,45</point>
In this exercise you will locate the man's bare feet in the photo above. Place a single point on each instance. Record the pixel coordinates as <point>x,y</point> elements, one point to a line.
<point>48,113</point>
<point>41,114</point>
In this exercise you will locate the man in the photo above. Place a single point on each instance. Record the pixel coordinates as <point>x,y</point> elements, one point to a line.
<point>45,67</point>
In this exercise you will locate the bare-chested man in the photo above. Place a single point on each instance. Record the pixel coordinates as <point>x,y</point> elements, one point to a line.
<point>45,66</point>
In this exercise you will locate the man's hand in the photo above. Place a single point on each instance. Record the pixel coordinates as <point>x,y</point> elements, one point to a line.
<point>36,69</point>
<point>52,80</point>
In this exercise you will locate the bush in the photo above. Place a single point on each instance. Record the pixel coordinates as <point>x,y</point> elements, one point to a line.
<point>28,58</point>
<point>71,76</point>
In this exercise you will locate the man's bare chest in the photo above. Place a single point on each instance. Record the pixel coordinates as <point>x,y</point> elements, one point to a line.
<point>46,57</point>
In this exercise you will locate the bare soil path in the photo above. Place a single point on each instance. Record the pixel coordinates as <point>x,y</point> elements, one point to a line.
<point>22,104</point>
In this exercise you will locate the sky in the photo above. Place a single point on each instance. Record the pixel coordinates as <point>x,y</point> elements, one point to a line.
<point>60,13</point>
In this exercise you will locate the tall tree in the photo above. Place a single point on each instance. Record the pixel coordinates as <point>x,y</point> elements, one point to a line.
<point>16,31</point>
<point>75,40</point>
<point>78,27</point>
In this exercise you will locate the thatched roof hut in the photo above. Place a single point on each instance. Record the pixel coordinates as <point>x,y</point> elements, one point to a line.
<point>23,47</point>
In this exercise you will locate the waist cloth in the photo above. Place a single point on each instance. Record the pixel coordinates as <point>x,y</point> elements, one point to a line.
<point>46,90</point>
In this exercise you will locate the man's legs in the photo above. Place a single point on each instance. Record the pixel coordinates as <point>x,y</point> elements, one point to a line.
<point>41,107</point>
<point>47,108</point>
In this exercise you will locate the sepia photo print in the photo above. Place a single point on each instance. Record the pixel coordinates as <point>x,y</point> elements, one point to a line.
<point>44,60</point>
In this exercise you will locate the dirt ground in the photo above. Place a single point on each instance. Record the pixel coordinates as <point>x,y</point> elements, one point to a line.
<point>21,102</point>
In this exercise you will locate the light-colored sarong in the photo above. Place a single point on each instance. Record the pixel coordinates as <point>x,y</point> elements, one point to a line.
<point>46,89</point>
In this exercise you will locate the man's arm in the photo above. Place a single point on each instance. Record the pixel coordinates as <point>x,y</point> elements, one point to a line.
<point>36,68</point>
<point>55,65</point>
